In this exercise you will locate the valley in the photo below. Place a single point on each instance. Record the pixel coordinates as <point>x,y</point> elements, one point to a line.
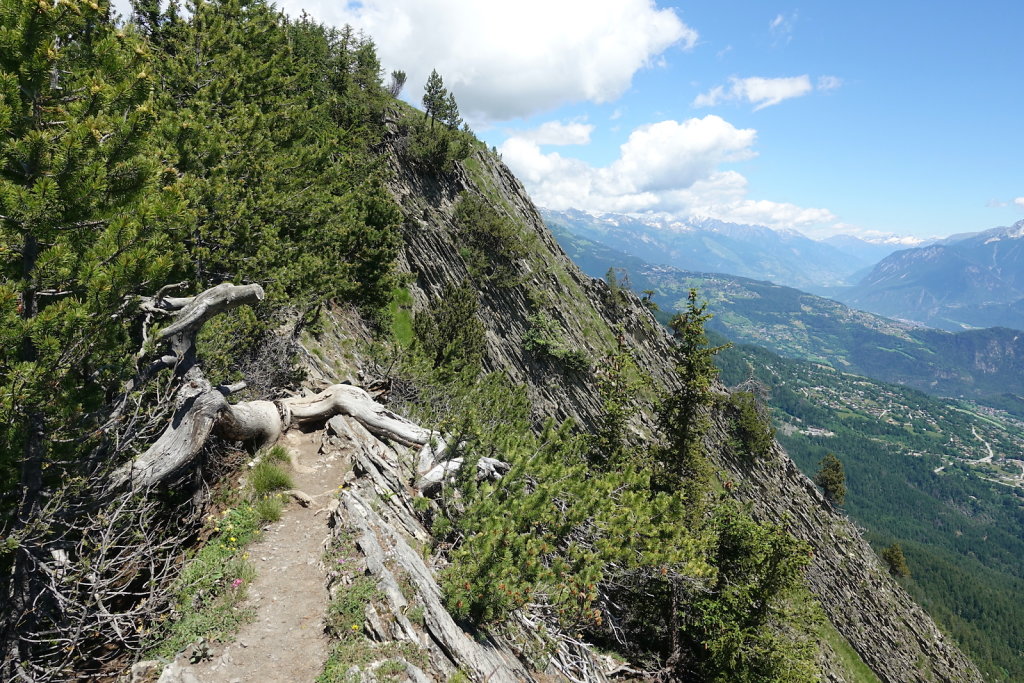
<point>937,472</point>
<point>940,477</point>
<point>986,366</point>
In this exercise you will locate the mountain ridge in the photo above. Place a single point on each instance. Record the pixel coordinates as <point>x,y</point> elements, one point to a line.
<point>967,280</point>
<point>775,488</point>
<point>707,244</point>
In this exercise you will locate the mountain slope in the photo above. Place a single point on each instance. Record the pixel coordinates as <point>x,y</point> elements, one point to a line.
<point>982,364</point>
<point>975,280</point>
<point>710,245</point>
<point>859,597</point>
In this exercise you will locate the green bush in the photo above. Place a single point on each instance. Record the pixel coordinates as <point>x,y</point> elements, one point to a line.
<point>450,336</point>
<point>436,146</point>
<point>544,338</point>
<point>751,426</point>
<point>831,478</point>
<point>896,561</point>
<point>494,243</point>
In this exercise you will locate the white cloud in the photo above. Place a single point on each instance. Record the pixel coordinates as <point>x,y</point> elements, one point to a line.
<point>764,92</point>
<point>671,167</point>
<point>1019,201</point>
<point>505,59</point>
<point>826,83</point>
<point>669,154</point>
<point>781,28</point>
<point>558,133</point>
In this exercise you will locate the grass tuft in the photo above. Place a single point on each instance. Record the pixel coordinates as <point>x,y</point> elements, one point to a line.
<point>267,477</point>
<point>276,454</point>
<point>269,508</point>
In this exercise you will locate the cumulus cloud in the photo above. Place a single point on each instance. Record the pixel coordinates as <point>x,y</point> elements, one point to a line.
<point>1019,201</point>
<point>764,92</point>
<point>671,167</point>
<point>505,59</point>
<point>558,133</point>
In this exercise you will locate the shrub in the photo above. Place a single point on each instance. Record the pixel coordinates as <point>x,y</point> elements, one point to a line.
<point>896,561</point>
<point>494,243</point>
<point>751,426</point>
<point>544,338</point>
<point>831,478</point>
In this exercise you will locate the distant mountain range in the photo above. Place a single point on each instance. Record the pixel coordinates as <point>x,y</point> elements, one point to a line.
<point>705,244</point>
<point>985,365</point>
<point>964,281</point>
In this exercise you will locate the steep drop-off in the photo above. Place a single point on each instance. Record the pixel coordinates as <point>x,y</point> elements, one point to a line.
<point>890,632</point>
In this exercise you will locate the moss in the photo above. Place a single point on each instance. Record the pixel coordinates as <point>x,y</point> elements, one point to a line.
<point>852,667</point>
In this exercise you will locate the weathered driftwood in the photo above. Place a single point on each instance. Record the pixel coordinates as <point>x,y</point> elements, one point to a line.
<point>431,483</point>
<point>202,409</point>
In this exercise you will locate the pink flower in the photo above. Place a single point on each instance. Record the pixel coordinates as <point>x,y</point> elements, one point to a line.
<point>236,583</point>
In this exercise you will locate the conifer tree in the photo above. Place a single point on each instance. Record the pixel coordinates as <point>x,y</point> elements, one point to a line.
<point>684,412</point>
<point>452,119</point>
<point>80,228</point>
<point>398,78</point>
<point>434,97</point>
<point>831,478</point>
<point>896,561</point>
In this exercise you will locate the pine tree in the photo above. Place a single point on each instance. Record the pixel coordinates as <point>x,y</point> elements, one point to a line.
<point>831,478</point>
<point>451,117</point>
<point>81,224</point>
<point>684,412</point>
<point>896,561</point>
<point>398,78</point>
<point>269,127</point>
<point>434,97</point>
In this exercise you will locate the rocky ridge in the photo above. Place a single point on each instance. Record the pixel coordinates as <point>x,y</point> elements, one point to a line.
<point>891,633</point>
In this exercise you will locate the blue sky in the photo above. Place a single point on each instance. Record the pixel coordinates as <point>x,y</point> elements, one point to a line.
<point>827,117</point>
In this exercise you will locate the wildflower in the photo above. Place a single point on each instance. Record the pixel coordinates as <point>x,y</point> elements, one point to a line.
<point>236,583</point>
<point>355,627</point>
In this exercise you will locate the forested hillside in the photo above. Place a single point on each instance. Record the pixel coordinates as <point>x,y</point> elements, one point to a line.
<point>919,471</point>
<point>213,223</point>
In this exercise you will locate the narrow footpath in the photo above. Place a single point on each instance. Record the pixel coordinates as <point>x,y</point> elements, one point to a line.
<point>285,643</point>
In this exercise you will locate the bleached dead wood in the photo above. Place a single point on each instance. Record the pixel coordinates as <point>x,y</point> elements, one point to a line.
<point>431,483</point>
<point>201,409</point>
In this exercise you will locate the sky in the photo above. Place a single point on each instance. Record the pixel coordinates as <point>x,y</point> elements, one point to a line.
<point>866,117</point>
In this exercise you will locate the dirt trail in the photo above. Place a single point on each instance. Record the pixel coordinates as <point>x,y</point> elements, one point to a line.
<point>286,641</point>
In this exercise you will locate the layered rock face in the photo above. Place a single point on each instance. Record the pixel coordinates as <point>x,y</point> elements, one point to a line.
<point>869,609</point>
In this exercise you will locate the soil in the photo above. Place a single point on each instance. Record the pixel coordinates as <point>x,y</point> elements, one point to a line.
<point>286,641</point>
